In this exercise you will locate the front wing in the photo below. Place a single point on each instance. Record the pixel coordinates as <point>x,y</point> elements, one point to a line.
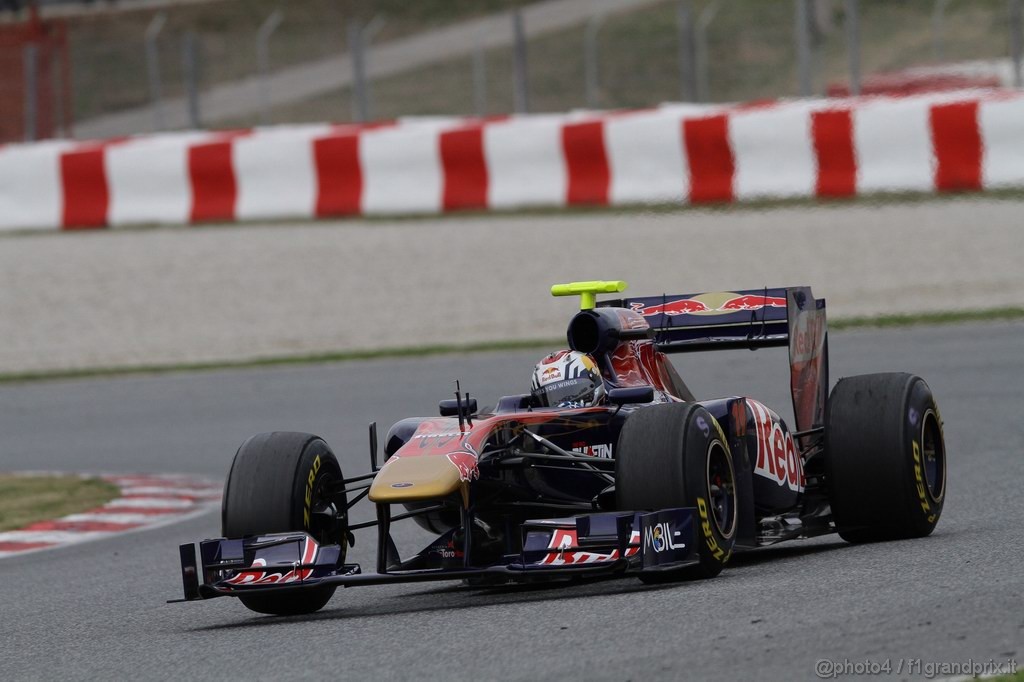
<point>587,545</point>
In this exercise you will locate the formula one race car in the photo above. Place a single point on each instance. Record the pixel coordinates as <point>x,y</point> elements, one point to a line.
<point>610,466</point>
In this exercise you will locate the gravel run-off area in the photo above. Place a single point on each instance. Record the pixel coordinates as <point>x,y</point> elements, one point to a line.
<point>225,293</point>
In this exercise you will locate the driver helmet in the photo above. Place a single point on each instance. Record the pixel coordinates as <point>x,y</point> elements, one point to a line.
<point>567,379</point>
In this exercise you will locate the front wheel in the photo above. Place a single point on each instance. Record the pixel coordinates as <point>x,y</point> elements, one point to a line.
<point>885,457</point>
<point>675,455</point>
<point>282,482</point>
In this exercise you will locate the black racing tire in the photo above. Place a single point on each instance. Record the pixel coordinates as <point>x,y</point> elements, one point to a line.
<point>277,483</point>
<point>885,457</point>
<point>675,455</point>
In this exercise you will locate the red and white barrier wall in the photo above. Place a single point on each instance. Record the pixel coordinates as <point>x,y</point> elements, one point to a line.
<point>968,140</point>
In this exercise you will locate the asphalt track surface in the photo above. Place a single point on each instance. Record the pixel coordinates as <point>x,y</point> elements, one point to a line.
<point>97,611</point>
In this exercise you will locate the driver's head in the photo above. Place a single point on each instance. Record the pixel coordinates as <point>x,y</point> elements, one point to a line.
<point>567,379</point>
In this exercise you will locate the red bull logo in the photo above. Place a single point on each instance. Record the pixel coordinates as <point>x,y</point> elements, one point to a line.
<point>753,302</point>
<point>680,307</point>
<point>550,374</point>
<point>711,303</point>
<point>466,464</point>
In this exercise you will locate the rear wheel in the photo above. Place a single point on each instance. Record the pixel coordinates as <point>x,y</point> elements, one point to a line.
<point>281,482</point>
<point>675,455</point>
<point>885,457</point>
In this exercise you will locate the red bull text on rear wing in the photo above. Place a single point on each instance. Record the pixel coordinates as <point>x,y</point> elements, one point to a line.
<point>755,318</point>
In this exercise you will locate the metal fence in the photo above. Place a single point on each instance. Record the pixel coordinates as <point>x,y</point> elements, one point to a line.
<point>636,56</point>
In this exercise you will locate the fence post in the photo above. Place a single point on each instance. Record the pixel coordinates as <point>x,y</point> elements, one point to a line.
<point>156,91</point>
<point>480,79</point>
<point>687,51</point>
<point>851,17</point>
<point>359,36</point>
<point>30,55</point>
<point>591,75</point>
<point>521,90</point>
<point>704,67</point>
<point>1016,27</point>
<point>263,36</point>
<point>190,68</point>
<point>355,48</point>
<point>57,86</point>
<point>939,30</point>
<point>803,46</point>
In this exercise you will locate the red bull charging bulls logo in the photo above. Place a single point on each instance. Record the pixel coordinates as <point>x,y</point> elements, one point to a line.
<point>711,304</point>
<point>466,463</point>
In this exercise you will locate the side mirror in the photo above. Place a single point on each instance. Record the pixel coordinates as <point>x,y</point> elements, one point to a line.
<point>450,407</point>
<point>630,395</point>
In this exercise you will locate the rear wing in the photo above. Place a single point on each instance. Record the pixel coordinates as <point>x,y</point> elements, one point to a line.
<point>755,318</point>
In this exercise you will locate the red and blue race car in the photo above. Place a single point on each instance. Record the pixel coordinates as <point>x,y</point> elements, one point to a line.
<point>609,466</point>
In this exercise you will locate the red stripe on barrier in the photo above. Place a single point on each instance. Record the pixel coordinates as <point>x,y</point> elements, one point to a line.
<point>586,162</point>
<point>86,193</point>
<point>339,175</point>
<point>958,146</point>
<point>465,169</point>
<point>214,185</point>
<point>81,526</point>
<point>712,166</point>
<point>832,132</point>
<point>23,546</point>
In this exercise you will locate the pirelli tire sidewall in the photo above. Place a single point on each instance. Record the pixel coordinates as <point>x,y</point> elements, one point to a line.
<point>715,543</point>
<point>276,481</point>
<point>885,457</point>
<point>273,484</point>
<point>662,463</point>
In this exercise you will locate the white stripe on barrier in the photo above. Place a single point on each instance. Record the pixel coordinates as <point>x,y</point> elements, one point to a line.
<point>525,163</point>
<point>401,170</point>
<point>276,173</point>
<point>1002,135</point>
<point>149,179</point>
<point>645,158</point>
<point>779,164</point>
<point>31,194</point>
<point>894,148</point>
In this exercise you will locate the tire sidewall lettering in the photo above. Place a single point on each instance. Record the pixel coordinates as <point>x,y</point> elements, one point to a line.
<point>308,497</point>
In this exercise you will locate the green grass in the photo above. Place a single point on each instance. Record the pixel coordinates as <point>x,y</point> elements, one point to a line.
<point>912,319</point>
<point>27,499</point>
<point>1017,677</point>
